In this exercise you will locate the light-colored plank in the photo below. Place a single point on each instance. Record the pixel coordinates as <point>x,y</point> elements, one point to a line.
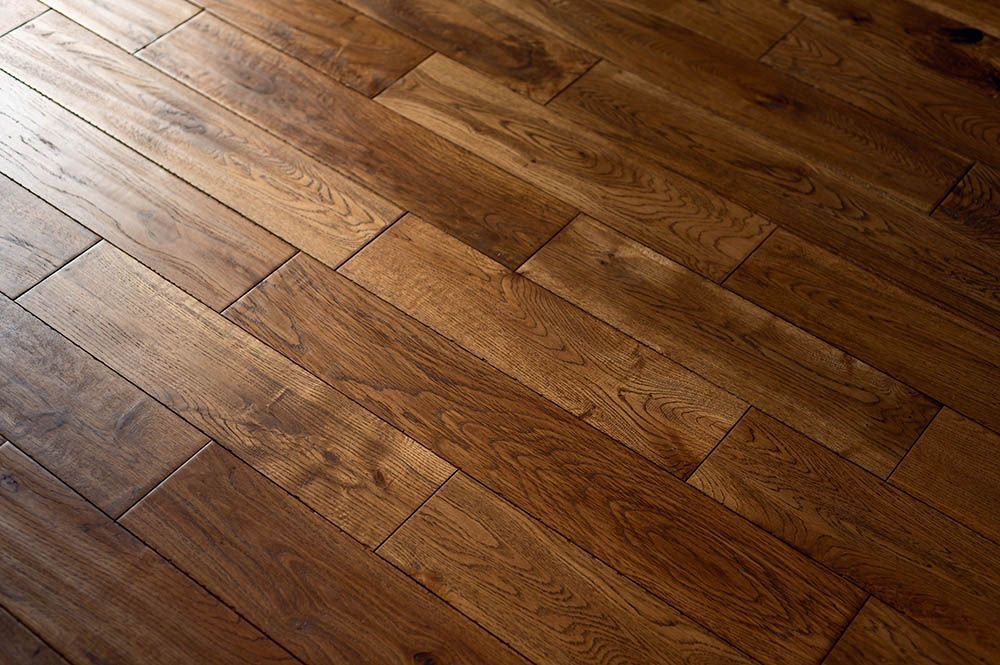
<point>15,12</point>
<point>131,24</point>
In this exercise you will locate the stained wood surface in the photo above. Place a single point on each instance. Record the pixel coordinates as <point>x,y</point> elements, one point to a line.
<point>982,13</point>
<point>20,645</point>
<point>16,12</point>
<point>974,205</point>
<point>130,24</point>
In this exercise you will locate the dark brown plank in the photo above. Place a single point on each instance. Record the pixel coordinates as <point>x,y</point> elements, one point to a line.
<point>282,189</point>
<point>296,576</point>
<point>356,470</point>
<point>680,218</point>
<point>94,592</point>
<point>982,13</point>
<point>16,12</point>
<point>908,555</point>
<point>35,239</point>
<point>190,239</point>
<point>974,205</point>
<point>19,646</point>
<point>529,61</point>
<point>463,194</point>
<point>955,362</point>
<point>955,467</point>
<point>351,48</point>
<point>521,580</point>
<point>84,423</point>
<point>131,24</point>
<point>845,404</point>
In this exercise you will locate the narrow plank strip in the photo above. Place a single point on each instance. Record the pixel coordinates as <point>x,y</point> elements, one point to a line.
<point>131,24</point>
<point>93,591</point>
<point>845,404</point>
<point>974,205</point>
<point>955,467</point>
<point>287,192</point>
<point>955,362</point>
<point>84,423</point>
<point>296,576</point>
<point>523,582</point>
<point>910,556</point>
<point>35,239</point>
<point>673,540</point>
<point>691,224</point>
<point>470,198</point>
<point>982,13</point>
<point>351,467</point>
<point>15,12</point>
<point>19,646</point>
<point>190,239</point>
<point>353,49</point>
<point>531,62</point>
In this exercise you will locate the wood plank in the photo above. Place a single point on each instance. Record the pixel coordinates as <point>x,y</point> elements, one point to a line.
<point>297,576</point>
<point>983,13</point>
<point>531,62</point>
<point>190,239</point>
<point>15,12</point>
<point>336,40</point>
<point>35,239</point>
<point>354,469</point>
<point>94,430</point>
<point>691,224</point>
<point>974,205</point>
<point>19,646</point>
<point>663,534</point>
<point>280,188</point>
<point>952,361</point>
<point>130,24</point>
<point>521,581</point>
<point>954,467</point>
<point>845,404</point>
<point>470,198</point>
<point>908,555</point>
<point>94,592</point>
<point>816,203</point>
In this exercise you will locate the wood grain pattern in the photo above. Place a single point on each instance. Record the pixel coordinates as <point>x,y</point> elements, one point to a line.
<point>35,239</point>
<point>954,467</point>
<point>190,239</point>
<point>84,423</point>
<point>94,592</point>
<point>691,224</point>
<point>522,582</point>
<point>351,48</point>
<point>845,404</point>
<point>131,24</point>
<point>955,362</point>
<point>287,192</point>
<point>463,194</point>
<point>15,12</point>
<point>982,13</point>
<point>19,646</point>
<point>908,555</point>
<point>974,205</point>
<point>296,576</point>
<point>362,474</point>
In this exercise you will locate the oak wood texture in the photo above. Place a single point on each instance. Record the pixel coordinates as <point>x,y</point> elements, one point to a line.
<point>356,470</point>
<point>910,556</point>
<point>192,240</point>
<point>15,12</point>
<point>130,24</point>
<point>287,192</point>
<point>955,467</point>
<point>304,582</point>
<point>973,206</point>
<point>353,49</point>
<point>35,239</point>
<point>19,646</point>
<point>952,361</point>
<point>847,405</point>
<point>691,224</point>
<point>96,593</point>
<point>488,208</point>
<point>473,549</point>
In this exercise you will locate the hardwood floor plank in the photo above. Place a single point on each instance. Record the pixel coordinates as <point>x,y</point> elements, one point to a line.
<point>908,555</point>
<point>470,198</point>
<point>296,576</point>
<point>93,591</point>
<point>16,12</point>
<point>982,13</point>
<point>693,225</point>
<point>954,362</point>
<point>35,239</point>
<point>130,24</point>
<point>287,192</point>
<point>974,205</point>
<point>353,49</point>
<point>521,580</point>
<point>190,239</point>
<point>19,646</point>
<point>531,62</point>
<point>845,404</point>
<point>954,467</point>
<point>611,502</point>
<point>356,470</point>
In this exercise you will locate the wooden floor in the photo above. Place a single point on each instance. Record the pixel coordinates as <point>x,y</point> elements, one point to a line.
<point>500,331</point>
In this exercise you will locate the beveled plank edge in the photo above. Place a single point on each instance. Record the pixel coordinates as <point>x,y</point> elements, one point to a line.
<point>16,619</point>
<point>198,9</point>
<point>45,9</point>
